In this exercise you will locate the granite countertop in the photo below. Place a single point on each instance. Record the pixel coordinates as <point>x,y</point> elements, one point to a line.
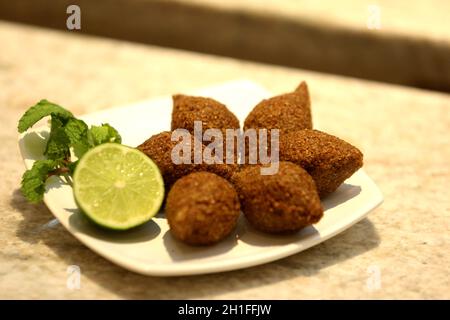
<point>403,133</point>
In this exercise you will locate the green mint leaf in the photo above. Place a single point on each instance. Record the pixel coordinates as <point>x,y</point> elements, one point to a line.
<point>42,109</point>
<point>33,180</point>
<point>76,131</point>
<point>102,134</point>
<point>79,149</point>
<point>58,142</point>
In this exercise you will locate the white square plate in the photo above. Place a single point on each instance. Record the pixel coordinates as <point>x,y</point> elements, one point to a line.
<point>150,249</point>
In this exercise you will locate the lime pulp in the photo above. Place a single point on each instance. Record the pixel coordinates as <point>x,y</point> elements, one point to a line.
<point>118,187</point>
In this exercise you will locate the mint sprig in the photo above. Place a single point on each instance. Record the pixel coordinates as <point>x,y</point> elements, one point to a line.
<point>33,180</point>
<point>41,110</point>
<point>68,136</point>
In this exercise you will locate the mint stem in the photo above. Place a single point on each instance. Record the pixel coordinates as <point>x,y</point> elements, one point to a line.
<point>58,172</point>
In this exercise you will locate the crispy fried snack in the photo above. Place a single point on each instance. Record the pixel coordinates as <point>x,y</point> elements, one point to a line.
<point>281,203</point>
<point>202,208</point>
<point>287,112</point>
<point>328,159</point>
<point>213,114</point>
<point>159,148</point>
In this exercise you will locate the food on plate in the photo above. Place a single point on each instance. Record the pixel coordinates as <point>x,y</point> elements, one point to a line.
<point>202,208</point>
<point>287,112</point>
<point>328,159</point>
<point>281,203</point>
<point>117,187</point>
<point>159,148</point>
<point>213,114</point>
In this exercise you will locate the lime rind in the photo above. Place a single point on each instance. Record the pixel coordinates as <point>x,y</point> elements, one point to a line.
<point>118,187</point>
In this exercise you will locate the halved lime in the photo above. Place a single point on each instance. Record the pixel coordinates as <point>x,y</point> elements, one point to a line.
<point>118,187</point>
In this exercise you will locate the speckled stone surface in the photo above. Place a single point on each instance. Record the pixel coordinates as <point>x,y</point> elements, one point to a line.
<point>403,133</point>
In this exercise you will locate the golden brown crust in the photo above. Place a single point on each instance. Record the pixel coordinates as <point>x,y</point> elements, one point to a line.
<point>202,208</point>
<point>328,159</point>
<point>159,148</point>
<point>213,114</point>
<point>287,112</point>
<point>284,202</point>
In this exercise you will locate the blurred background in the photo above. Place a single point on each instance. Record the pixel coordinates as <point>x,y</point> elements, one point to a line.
<point>402,42</point>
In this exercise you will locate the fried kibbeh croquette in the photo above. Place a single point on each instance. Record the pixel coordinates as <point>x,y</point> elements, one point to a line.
<point>328,159</point>
<point>159,148</point>
<point>213,114</point>
<point>202,208</point>
<point>284,202</point>
<point>287,112</point>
